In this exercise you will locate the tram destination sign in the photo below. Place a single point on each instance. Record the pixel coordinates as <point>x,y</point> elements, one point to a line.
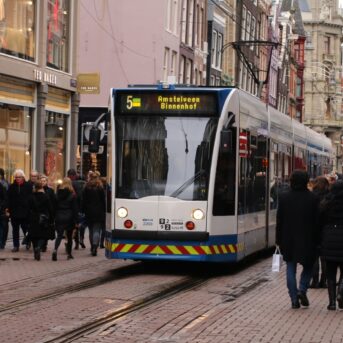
<point>179,103</point>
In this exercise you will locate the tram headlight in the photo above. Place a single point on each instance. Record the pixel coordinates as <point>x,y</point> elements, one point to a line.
<point>122,212</point>
<point>198,214</point>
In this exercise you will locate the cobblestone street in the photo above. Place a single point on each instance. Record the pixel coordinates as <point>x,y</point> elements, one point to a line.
<point>40,301</point>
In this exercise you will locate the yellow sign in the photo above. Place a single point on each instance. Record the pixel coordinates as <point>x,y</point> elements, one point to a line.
<point>88,83</point>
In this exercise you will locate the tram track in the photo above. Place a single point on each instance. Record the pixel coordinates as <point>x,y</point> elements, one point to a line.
<point>116,274</point>
<point>105,322</point>
<point>47,276</point>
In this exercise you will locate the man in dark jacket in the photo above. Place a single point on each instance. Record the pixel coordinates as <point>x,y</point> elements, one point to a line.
<point>19,193</point>
<point>297,234</point>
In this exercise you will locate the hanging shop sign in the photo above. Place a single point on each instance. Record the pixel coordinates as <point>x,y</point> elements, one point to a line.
<point>88,83</point>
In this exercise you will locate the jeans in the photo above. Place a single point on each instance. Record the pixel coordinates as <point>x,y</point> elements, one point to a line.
<point>16,223</point>
<point>305,278</point>
<point>60,233</point>
<point>95,232</point>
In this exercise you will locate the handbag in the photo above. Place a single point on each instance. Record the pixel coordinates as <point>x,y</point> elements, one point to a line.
<point>277,260</point>
<point>43,220</point>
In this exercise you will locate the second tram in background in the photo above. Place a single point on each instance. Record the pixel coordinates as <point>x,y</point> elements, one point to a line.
<point>196,172</point>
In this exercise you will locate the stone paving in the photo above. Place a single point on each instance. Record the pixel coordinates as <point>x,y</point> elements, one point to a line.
<point>250,305</point>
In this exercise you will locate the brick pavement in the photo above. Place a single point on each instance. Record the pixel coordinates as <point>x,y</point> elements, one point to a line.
<point>249,306</point>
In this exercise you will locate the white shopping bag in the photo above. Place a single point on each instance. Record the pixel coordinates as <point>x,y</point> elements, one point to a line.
<point>277,260</point>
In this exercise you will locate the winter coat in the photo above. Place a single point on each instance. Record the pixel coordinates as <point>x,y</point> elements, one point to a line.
<point>66,209</point>
<point>39,204</point>
<point>3,201</point>
<point>18,200</point>
<point>52,198</point>
<point>94,204</point>
<point>78,186</point>
<point>331,222</point>
<point>297,226</point>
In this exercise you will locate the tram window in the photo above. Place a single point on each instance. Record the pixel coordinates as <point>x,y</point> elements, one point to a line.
<point>224,189</point>
<point>253,177</point>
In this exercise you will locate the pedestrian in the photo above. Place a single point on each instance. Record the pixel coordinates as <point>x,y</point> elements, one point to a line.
<point>34,176</point>
<point>94,207</point>
<point>320,188</point>
<point>78,185</point>
<point>3,217</point>
<point>40,218</point>
<point>19,194</point>
<point>297,234</point>
<point>331,223</point>
<point>65,216</point>
<point>52,202</point>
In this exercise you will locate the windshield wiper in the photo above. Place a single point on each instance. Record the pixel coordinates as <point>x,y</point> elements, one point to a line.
<point>187,183</point>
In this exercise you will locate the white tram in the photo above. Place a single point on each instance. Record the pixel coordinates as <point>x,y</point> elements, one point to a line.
<point>195,173</point>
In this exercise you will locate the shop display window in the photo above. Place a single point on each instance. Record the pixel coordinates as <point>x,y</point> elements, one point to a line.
<point>17,28</point>
<point>15,139</point>
<point>54,147</point>
<point>58,34</point>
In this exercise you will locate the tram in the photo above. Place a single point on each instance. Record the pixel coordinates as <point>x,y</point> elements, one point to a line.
<point>195,172</point>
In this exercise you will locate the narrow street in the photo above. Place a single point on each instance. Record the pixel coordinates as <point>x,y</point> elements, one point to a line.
<point>91,299</point>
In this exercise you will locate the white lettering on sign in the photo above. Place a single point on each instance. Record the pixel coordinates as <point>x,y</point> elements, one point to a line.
<point>43,76</point>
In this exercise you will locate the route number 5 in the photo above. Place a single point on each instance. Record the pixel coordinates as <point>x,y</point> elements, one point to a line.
<point>129,102</point>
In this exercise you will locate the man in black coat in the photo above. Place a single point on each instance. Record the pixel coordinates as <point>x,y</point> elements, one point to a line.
<point>297,234</point>
<point>19,194</point>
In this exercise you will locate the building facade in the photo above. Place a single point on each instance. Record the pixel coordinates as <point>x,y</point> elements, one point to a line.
<point>323,24</point>
<point>38,99</point>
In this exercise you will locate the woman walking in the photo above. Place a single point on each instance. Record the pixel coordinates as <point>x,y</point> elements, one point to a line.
<point>94,207</point>
<point>332,241</point>
<point>40,218</point>
<point>65,216</point>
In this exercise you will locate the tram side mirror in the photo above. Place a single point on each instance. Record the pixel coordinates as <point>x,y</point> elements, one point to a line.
<point>94,140</point>
<point>226,141</point>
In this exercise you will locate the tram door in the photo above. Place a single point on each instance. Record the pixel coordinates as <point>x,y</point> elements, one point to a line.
<point>252,190</point>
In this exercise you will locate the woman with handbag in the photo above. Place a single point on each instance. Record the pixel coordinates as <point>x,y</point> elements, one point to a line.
<point>40,218</point>
<point>66,215</point>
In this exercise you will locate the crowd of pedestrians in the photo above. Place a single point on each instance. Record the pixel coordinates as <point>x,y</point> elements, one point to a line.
<point>44,214</point>
<point>309,232</point>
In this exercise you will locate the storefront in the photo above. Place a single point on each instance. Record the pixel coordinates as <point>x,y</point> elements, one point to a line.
<point>17,107</point>
<point>38,94</point>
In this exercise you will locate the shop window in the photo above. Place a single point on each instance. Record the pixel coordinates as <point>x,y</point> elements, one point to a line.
<point>15,139</point>
<point>58,34</point>
<point>54,146</point>
<point>17,28</point>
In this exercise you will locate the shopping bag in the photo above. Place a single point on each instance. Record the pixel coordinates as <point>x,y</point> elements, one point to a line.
<point>277,260</point>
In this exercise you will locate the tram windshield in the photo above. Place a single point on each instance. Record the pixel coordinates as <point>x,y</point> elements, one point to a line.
<point>168,156</point>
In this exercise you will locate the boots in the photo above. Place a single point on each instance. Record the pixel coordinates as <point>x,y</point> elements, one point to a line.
<point>332,295</point>
<point>94,250</point>
<point>82,243</point>
<point>340,294</point>
<point>37,254</point>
